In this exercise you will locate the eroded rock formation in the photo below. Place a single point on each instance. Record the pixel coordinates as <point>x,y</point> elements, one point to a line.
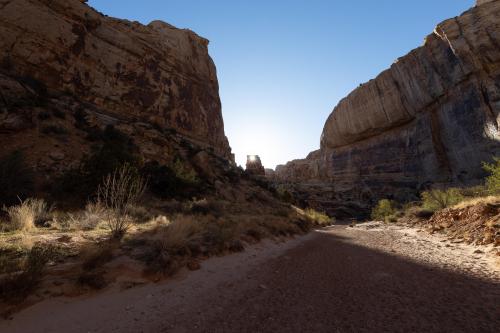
<point>254,165</point>
<point>429,120</point>
<point>67,72</point>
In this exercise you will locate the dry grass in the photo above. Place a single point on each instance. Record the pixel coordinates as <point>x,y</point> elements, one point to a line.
<point>492,199</point>
<point>24,216</point>
<point>180,231</point>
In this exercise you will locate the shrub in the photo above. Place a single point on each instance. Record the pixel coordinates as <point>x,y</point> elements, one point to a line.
<point>139,214</point>
<point>16,178</point>
<point>205,207</point>
<point>384,209</point>
<point>27,214</point>
<point>81,183</point>
<point>317,217</point>
<point>219,233</point>
<point>434,200</point>
<point>97,256</point>
<point>284,194</point>
<point>184,173</point>
<point>118,192</point>
<point>180,231</point>
<point>493,180</point>
<point>54,129</point>
<point>171,181</point>
<point>174,240</point>
<point>87,219</point>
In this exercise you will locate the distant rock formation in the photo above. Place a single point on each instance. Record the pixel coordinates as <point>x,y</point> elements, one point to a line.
<point>480,2</point>
<point>67,71</point>
<point>254,165</point>
<point>429,120</point>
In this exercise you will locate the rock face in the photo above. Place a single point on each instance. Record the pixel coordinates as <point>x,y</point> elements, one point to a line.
<point>254,165</point>
<point>429,120</point>
<point>480,2</point>
<point>63,64</point>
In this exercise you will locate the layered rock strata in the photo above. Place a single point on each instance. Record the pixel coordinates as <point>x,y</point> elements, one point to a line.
<point>429,120</point>
<point>66,69</point>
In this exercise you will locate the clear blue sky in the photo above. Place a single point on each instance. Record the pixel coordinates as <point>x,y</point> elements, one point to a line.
<point>284,64</point>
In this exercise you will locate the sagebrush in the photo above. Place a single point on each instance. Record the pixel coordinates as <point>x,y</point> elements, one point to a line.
<point>434,200</point>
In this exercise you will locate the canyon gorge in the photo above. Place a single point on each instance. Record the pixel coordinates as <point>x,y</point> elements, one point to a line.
<point>428,121</point>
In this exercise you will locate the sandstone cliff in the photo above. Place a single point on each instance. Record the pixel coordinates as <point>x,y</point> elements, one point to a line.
<point>66,69</point>
<point>430,119</point>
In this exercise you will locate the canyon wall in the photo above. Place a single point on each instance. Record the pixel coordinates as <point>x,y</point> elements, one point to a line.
<point>429,120</point>
<point>67,71</point>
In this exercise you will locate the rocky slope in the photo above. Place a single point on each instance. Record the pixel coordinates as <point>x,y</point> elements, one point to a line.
<point>68,71</point>
<point>430,119</point>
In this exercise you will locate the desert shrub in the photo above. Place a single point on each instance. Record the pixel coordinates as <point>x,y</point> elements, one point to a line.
<point>283,194</point>
<point>384,209</point>
<point>43,115</point>
<point>172,243</point>
<point>493,180</point>
<point>27,214</point>
<point>219,233</point>
<point>54,129</point>
<point>58,114</point>
<point>16,178</point>
<point>474,191</point>
<point>318,218</point>
<point>434,200</point>
<point>205,207</point>
<point>88,219</point>
<point>172,181</point>
<point>184,172</point>
<point>117,193</point>
<point>180,232</point>
<point>18,285</point>
<point>93,279</point>
<point>417,211</point>
<point>97,255</point>
<point>81,182</point>
<point>139,214</point>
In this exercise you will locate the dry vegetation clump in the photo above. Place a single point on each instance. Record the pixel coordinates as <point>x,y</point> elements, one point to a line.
<point>26,215</point>
<point>93,257</point>
<point>118,193</point>
<point>86,220</point>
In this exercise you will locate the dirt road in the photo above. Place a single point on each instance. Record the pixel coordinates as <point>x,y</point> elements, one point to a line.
<point>364,279</point>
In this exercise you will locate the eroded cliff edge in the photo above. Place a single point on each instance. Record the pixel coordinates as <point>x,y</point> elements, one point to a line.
<point>68,71</point>
<point>429,120</point>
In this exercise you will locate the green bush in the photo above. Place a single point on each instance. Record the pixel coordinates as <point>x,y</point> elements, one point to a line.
<point>384,209</point>
<point>172,181</point>
<point>116,150</point>
<point>284,194</point>
<point>16,178</point>
<point>493,180</point>
<point>434,200</point>
<point>318,218</point>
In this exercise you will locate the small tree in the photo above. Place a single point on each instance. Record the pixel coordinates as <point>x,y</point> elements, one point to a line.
<point>434,200</point>
<point>117,193</point>
<point>493,180</point>
<point>383,209</point>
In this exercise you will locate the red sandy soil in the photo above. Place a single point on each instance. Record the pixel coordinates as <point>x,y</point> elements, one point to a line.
<point>371,278</point>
